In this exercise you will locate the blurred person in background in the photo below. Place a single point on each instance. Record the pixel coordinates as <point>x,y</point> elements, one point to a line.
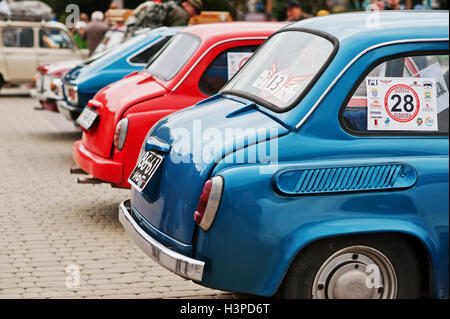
<point>294,11</point>
<point>95,31</point>
<point>151,14</point>
<point>377,5</point>
<point>84,17</point>
<point>79,31</point>
<point>191,8</point>
<point>392,5</point>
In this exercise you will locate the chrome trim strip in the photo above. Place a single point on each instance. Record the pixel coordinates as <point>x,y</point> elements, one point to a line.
<point>207,51</point>
<point>303,120</point>
<point>181,265</point>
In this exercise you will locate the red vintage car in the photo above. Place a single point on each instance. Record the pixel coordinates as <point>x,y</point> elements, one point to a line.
<point>194,65</point>
<point>49,83</point>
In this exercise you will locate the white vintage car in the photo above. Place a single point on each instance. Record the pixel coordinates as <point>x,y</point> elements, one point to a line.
<point>25,45</point>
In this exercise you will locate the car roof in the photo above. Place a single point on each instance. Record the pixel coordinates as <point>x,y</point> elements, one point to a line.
<point>234,29</point>
<point>165,31</point>
<point>371,28</point>
<point>15,23</point>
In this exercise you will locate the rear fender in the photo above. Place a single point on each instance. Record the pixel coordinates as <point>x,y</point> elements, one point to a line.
<point>304,236</point>
<point>267,230</point>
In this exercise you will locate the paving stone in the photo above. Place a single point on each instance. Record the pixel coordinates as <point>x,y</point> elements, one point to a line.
<point>50,222</point>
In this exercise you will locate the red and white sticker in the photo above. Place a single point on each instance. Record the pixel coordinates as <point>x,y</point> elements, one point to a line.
<point>235,61</point>
<point>280,85</point>
<point>401,104</point>
<point>275,84</point>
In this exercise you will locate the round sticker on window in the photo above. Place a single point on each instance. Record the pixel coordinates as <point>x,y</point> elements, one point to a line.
<point>402,103</point>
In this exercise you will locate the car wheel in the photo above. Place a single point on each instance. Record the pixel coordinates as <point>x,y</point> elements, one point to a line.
<point>382,266</point>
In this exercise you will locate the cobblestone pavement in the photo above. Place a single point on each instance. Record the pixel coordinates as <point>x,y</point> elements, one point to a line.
<point>49,222</point>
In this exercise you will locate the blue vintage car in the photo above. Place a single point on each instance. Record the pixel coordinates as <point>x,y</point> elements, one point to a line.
<point>83,82</point>
<point>321,170</point>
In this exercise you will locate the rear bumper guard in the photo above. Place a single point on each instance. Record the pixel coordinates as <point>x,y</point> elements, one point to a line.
<point>181,265</point>
<point>70,112</point>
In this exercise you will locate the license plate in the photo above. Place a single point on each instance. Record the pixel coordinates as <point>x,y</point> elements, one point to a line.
<point>144,170</point>
<point>87,118</point>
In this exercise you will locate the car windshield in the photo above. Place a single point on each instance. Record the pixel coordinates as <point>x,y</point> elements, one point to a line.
<point>111,39</point>
<point>282,69</point>
<point>169,61</point>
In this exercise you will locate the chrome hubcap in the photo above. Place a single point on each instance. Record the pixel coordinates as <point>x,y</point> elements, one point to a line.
<point>356,272</point>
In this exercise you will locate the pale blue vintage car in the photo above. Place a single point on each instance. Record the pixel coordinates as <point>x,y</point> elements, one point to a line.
<point>321,170</point>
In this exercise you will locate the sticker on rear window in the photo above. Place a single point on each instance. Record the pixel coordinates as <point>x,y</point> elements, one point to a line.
<point>236,60</point>
<point>279,85</point>
<point>401,104</point>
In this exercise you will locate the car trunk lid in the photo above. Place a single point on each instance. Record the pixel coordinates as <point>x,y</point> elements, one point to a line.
<point>170,199</point>
<point>111,103</point>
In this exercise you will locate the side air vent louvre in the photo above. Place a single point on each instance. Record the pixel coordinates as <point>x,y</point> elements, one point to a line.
<point>320,180</point>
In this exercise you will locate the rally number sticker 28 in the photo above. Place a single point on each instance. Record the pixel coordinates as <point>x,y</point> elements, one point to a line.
<point>402,103</point>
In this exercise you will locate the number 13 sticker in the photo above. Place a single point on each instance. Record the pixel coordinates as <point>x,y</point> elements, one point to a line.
<point>276,83</point>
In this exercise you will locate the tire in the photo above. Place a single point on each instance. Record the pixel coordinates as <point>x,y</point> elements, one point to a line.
<point>335,268</point>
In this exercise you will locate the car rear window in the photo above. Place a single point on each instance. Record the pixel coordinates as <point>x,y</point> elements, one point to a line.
<point>281,71</point>
<point>170,59</point>
<point>223,67</point>
<point>145,55</point>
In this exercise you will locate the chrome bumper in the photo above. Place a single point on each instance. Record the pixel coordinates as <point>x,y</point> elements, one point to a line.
<point>44,96</point>
<point>66,110</point>
<point>181,265</point>
<point>34,93</point>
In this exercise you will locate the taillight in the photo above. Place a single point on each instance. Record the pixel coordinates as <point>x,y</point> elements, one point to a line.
<point>72,94</point>
<point>55,83</point>
<point>209,203</point>
<point>42,69</point>
<point>120,135</point>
